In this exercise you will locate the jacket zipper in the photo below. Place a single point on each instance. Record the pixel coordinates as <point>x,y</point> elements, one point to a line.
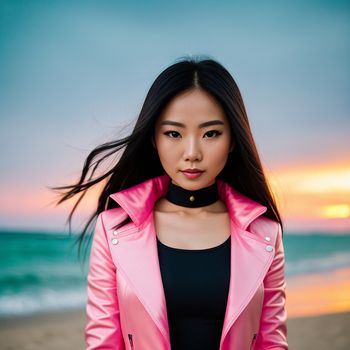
<point>253,342</point>
<point>130,341</point>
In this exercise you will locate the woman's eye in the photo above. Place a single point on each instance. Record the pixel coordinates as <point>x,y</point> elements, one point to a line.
<point>216,132</point>
<point>211,134</point>
<point>171,134</point>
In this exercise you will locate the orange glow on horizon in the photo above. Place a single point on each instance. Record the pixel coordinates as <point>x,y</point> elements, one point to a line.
<point>24,199</point>
<point>318,192</point>
<point>336,211</point>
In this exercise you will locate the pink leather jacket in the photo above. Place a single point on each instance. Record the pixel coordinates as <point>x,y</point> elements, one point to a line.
<point>126,307</point>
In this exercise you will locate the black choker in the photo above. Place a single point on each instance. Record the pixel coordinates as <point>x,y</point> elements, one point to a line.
<point>192,199</point>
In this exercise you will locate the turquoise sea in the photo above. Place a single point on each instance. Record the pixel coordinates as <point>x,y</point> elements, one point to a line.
<point>41,272</point>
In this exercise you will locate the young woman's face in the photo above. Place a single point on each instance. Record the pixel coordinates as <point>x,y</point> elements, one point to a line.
<point>193,132</point>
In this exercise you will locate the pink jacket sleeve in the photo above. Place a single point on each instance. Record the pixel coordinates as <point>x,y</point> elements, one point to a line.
<point>102,330</point>
<point>273,328</point>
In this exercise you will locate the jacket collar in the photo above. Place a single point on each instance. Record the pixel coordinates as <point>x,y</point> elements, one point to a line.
<point>139,200</point>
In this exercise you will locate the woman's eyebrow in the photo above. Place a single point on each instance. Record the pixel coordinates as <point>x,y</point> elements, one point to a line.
<point>202,125</point>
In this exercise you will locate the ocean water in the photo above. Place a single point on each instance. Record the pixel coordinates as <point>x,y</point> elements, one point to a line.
<point>41,272</point>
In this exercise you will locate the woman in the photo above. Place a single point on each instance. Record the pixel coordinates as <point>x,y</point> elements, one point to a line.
<point>187,249</point>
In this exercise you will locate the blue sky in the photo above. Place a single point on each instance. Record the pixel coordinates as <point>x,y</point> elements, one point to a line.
<point>73,72</point>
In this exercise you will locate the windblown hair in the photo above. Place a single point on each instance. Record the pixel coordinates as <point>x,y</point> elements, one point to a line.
<point>138,160</point>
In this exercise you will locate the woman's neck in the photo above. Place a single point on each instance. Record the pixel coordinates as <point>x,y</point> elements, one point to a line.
<point>163,205</point>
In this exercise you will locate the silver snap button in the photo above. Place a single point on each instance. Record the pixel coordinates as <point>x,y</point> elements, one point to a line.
<point>267,238</point>
<point>269,248</point>
<point>115,232</point>
<point>115,241</point>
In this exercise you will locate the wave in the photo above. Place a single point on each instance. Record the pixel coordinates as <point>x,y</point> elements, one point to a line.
<point>45,300</point>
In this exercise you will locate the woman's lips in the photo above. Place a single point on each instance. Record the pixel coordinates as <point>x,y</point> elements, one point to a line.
<point>192,175</point>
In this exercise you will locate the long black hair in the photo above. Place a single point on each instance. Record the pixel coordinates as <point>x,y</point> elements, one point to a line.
<point>136,160</point>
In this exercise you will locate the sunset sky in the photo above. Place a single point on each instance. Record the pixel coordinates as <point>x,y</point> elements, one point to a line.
<point>73,73</point>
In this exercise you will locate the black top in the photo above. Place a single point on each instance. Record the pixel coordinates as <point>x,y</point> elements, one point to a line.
<point>196,284</point>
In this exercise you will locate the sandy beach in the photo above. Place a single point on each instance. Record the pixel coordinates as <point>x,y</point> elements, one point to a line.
<point>66,331</point>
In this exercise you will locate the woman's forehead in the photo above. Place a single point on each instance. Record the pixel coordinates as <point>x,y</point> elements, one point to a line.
<point>192,107</point>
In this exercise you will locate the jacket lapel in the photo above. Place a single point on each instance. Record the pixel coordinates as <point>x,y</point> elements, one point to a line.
<point>249,263</point>
<point>136,257</point>
<point>136,253</point>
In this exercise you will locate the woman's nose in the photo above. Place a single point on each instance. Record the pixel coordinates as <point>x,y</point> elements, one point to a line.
<point>192,150</point>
